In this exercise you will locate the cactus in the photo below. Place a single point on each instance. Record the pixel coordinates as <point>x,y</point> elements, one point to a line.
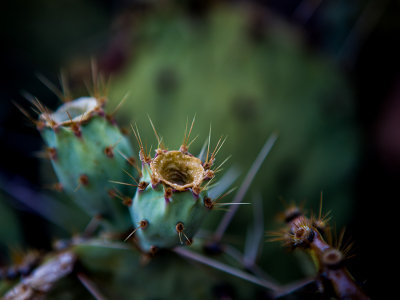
<point>247,89</point>
<point>87,151</point>
<point>171,200</point>
<point>307,234</point>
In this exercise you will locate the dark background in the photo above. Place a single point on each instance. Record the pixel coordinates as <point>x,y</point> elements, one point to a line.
<point>362,37</point>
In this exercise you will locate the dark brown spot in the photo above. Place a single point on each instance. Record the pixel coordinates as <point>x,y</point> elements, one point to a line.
<point>112,193</point>
<point>84,179</point>
<point>58,187</point>
<point>51,153</point>
<point>76,129</point>
<point>179,227</point>
<point>125,130</point>
<point>168,193</point>
<point>208,202</point>
<point>153,250</point>
<point>132,161</point>
<point>143,224</point>
<point>142,185</point>
<point>127,201</point>
<point>209,174</point>
<point>196,190</point>
<point>109,151</point>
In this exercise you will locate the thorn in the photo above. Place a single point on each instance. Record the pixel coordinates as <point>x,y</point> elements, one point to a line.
<point>142,225</point>
<point>65,87</point>
<point>179,229</point>
<point>90,286</point>
<point>119,105</point>
<point>123,183</point>
<point>130,175</point>
<point>160,144</point>
<point>109,150</point>
<point>245,186</point>
<point>56,91</point>
<point>126,200</point>
<point>185,144</point>
<point>132,161</point>
<point>25,113</point>
<point>142,154</point>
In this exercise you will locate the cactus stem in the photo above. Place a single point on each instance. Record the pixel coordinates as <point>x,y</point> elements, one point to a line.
<point>142,225</point>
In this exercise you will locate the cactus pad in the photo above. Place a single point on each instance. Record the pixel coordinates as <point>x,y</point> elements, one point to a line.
<point>87,150</point>
<point>171,201</point>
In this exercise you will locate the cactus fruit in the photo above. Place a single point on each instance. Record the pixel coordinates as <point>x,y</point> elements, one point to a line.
<point>87,151</point>
<point>171,200</point>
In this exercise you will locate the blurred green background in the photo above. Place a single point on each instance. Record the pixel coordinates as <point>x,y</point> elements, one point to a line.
<point>322,74</point>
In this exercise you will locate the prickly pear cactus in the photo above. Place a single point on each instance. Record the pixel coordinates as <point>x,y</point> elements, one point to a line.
<point>171,199</point>
<point>88,151</point>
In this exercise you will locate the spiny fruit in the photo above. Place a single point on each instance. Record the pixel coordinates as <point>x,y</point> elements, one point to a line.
<point>171,200</point>
<point>87,151</point>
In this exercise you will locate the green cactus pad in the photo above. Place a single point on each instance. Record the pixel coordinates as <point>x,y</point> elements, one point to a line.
<point>87,151</point>
<point>171,201</point>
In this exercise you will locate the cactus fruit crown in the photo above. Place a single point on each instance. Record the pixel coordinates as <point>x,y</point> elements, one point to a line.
<point>75,111</point>
<point>171,199</point>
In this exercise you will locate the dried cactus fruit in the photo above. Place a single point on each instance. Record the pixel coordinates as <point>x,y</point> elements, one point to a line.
<point>87,150</point>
